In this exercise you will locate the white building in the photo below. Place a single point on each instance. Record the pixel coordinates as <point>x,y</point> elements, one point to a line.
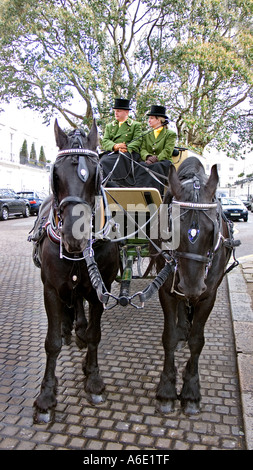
<point>230,171</point>
<point>15,127</point>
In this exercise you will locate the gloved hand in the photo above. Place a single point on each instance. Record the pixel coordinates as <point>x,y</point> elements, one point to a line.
<point>151,159</point>
<point>121,146</point>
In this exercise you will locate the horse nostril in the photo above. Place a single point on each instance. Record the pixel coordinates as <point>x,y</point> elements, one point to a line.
<point>191,292</point>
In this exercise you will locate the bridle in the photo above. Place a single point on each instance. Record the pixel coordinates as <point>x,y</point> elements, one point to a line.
<point>217,235</point>
<point>79,156</point>
<point>193,232</point>
<point>82,171</point>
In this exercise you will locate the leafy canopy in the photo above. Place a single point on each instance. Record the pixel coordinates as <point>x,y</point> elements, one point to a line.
<point>193,56</point>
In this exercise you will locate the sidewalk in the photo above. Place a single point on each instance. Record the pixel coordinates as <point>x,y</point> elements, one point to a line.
<point>239,282</point>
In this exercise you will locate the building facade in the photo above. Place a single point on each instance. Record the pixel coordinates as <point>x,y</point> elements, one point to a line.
<point>16,126</point>
<point>234,175</point>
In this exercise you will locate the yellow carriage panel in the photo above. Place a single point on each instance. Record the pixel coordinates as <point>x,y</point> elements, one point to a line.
<point>177,160</point>
<point>125,197</point>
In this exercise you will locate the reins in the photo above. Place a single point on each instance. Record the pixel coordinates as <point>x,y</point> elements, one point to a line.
<point>155,175</point>
<point>218,238</point>
<point>170,257</point>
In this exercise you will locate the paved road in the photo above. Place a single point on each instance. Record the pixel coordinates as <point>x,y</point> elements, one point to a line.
<point>244,232</point>
<point>130,360</point>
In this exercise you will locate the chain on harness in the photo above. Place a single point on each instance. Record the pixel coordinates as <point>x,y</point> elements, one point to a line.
<point>104,296</point>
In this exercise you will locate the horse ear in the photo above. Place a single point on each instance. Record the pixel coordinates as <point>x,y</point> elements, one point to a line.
<point>175,186</point>
<point>212,182</point>
<point>60,136</point>
<point>93,135</point>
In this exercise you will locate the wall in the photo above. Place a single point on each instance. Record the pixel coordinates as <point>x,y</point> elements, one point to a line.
<point>21,177</point>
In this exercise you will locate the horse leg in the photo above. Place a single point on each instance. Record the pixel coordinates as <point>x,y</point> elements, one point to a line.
<point>81,323</point>
<point>166,391</point>
<point>183,325</point>
<point>67,324</point>
<point>47,397</point>
<point>190,395</point>
<point>94,385</point>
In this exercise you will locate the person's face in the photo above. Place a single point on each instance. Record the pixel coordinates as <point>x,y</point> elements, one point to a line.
<point>154,121</point>
<point>121,114</point>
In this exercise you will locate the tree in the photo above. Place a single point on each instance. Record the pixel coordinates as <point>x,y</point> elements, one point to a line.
<point>42,157</point>
<point>195,57</point>
<point>33,155</point>
<point>23,154</point>
<point>207,73</point>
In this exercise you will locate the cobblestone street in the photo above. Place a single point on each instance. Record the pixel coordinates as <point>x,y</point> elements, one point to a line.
<point>130,358</point>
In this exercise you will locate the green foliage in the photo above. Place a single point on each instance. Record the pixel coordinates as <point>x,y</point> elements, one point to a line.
<point>195,57</point>
<point>33,155</point>
<point>42,157</point>
<point>24,150</point>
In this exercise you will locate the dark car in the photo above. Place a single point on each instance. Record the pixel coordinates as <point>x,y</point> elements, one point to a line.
<point>247,202</point>
<point>12,204</point>
<point>35,199</point>
<point>234,209</point>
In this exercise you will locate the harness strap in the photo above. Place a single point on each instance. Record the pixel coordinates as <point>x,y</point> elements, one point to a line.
<point>104,295</point>
<point>79,151</point>
<point>155,285</point>
<point>155,175</point>
<point>192,256</point>
<point>71,200</point>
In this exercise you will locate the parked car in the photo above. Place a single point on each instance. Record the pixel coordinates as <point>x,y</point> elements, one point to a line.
<point>246,201</point>
<point>234,209</point>
<point>35,198</point>
<point>12,204</point>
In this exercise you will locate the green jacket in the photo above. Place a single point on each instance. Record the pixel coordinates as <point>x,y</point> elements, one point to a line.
<point>115,134</point>
<point>162,147</point>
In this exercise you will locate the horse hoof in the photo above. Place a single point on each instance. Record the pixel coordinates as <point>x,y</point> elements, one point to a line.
<point>40,417</point>
<point>191,408</point>
<point>96,399</point>
<point>81,344</point>
<point>66,340</point>
<point>166,406</point>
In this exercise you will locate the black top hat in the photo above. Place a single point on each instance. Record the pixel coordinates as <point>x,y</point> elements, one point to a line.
<point>157,111</point>
<point>121,103</point>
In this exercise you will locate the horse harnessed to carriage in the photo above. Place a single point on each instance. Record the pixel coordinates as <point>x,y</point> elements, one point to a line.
<point>132,247</point>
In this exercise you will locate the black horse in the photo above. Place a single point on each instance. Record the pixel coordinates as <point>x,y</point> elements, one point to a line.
<point>64,226</point>
<point>188,295</point>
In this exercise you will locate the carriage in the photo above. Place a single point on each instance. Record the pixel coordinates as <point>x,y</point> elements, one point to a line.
<point>133,216</point>
<point>88,235</point>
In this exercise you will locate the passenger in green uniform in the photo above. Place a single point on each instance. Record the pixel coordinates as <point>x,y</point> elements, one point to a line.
<point>121,135</point>
<point>156,151</point>
<point>159,144</point>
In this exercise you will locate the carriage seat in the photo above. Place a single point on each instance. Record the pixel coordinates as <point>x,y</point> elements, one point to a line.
<point>132,208</point>
<point>119,198</point>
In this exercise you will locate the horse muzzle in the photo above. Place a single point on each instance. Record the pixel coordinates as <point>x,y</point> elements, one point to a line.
<point>75,236</point>
<point>190,291</point>
<point>76,227</point>
<point>73,246</point>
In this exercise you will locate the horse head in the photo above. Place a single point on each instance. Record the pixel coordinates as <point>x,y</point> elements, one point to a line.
<point>75,183</point>
<point>194,193</point>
